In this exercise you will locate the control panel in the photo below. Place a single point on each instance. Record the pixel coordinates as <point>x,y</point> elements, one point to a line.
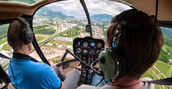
<point>88,48</point>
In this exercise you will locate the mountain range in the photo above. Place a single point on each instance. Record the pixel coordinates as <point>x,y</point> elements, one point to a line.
<point>45,11</point>
<point>102,17</point>
<point>55,13</point>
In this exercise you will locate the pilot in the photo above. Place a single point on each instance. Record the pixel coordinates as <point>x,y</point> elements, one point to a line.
<point>24,71</point>
<point>137,41</point>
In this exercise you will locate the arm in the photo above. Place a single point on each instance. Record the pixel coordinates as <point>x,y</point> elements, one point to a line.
<point>50,80</point>
<point>62,87</point>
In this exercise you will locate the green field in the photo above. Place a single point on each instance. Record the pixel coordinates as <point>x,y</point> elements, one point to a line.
<point>166,52</point>
<point>45,29</point>
<point>61,42</point>
<point>6,47</point>
<point>73,32</point>
<point>39,38</point>
<point>3,40</point>
<point>153,73</point>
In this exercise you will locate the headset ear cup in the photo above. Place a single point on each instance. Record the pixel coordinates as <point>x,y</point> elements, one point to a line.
<point>29,35</point>
<point>23,34</point>
<point>107,65</point>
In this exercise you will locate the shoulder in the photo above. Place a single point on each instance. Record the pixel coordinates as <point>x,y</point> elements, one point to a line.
<point>87,87</point>
<point>37,67</point>
<point>92,87</point>
<point>107,87</point>
<point>147,85</point>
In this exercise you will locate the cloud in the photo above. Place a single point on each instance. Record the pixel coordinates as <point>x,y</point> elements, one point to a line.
<point>74,8</point>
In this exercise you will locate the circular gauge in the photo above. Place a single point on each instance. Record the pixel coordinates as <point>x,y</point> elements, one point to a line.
<point>92,44</point>
<point>92,52</point>
<point>99,45</point>
<point>78,43</point>
<point>85,44</point>
<point>78,50</point>
<point>85,51</point>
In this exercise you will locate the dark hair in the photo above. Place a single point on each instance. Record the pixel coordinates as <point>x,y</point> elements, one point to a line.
<point>15,34</point>
<point>140,42</point>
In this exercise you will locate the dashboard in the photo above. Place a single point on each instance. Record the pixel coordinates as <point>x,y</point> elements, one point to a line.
<point>88,48</point>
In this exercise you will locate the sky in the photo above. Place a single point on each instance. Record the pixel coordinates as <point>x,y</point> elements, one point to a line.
<point>74,8</point>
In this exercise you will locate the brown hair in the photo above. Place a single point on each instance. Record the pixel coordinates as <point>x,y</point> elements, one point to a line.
<point>140,42</point>
<point>15,34</point>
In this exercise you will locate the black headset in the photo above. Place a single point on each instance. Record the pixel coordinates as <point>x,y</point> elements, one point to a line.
<point>27,33</point>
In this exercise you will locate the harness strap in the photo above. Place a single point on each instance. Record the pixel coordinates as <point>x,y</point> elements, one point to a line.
<point>166,81</point>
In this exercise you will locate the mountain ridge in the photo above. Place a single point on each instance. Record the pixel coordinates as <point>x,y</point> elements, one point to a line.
<point>45,11</point>
<point>101,17</point>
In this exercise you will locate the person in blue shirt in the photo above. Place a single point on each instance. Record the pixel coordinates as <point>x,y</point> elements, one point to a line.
<point>24,71</point>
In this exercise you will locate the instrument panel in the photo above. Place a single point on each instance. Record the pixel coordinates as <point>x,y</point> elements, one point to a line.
<point>88,48</point>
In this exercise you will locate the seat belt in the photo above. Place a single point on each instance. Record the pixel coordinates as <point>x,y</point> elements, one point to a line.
<point>166,81</point>
<point>3,56</point>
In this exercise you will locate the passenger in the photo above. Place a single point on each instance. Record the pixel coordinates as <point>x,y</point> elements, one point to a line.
<point>24,71</point>
<point>140,43</point>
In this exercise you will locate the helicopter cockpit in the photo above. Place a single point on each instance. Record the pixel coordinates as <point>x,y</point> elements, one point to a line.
<point>72,33</point>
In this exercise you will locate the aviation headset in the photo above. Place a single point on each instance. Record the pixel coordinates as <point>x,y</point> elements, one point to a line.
<point>27,33</point>
<point>112,62</point>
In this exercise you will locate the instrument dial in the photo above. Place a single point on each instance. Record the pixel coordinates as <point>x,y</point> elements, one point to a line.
<point>92,52</point>
<point>78,43</point>
<point>85,44</point>
<point>85,51</point>
<point>78,50</point>
<point>99,45</point>
<point>92,44</point>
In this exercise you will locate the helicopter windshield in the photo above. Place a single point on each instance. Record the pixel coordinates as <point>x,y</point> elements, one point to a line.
<point>65,20</point>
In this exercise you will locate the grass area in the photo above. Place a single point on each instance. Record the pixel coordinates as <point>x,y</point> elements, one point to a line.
<point>45,29</point>
<point>166,53</point>
<point>73,32</point>
<point>3,40</point>
<point>39,38</point>
<point>58,59</point>
<point>6,47</point>
<point>163,67</point>
<point>61,42</point>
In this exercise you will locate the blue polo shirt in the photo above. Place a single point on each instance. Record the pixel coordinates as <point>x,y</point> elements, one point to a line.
<point>27,74</point>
